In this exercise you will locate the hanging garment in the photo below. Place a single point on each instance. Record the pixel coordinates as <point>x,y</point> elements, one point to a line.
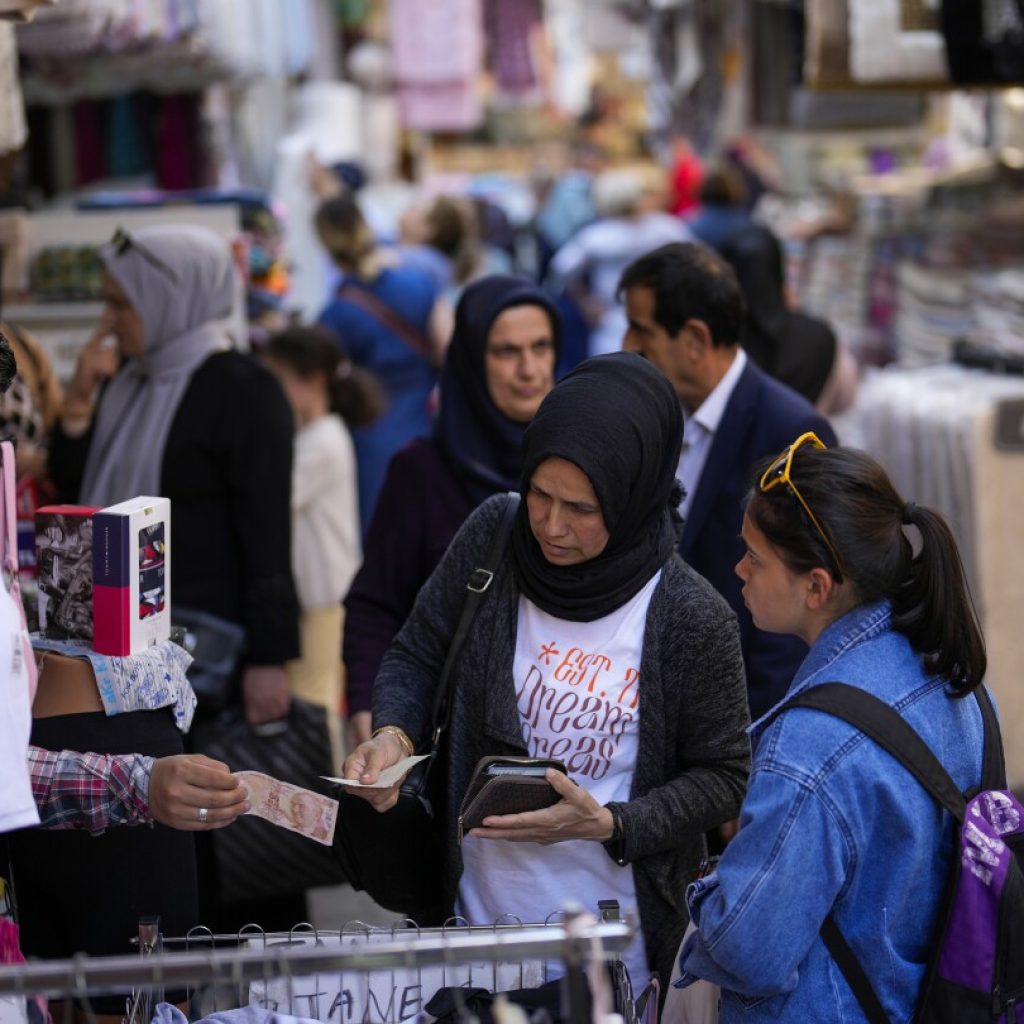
<point>510,26</point>
<point>438,55</point>
<point>984,41</point>
<point>21,10</point>
<point>934,429</point>
<point>13,130</point>
<point>827,44</point>
<point>887,45</point>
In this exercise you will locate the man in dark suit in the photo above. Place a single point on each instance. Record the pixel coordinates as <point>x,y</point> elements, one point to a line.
<point>685,312</point>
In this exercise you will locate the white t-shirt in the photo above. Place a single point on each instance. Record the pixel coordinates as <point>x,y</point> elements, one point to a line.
<point>17,806</point>
<point>577,685</point>
<point>326,551</point>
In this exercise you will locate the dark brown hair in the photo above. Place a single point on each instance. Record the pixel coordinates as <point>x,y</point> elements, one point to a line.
<point>355,394</point>
<point>855,502</point>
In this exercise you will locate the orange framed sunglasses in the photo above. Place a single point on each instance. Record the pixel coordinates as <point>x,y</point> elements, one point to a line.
<point>778,474</point>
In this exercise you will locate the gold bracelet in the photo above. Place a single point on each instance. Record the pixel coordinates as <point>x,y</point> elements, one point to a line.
<point>403,740</point>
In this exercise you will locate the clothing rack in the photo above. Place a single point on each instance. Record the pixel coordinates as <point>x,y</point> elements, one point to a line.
<point>573,940</point>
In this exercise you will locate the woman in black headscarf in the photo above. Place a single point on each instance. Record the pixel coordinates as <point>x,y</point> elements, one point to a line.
<point>499,366</point>
<point>595,645</point>
<point>799,350</point>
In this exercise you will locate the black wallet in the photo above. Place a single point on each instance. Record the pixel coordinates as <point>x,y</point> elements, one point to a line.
<point>507,785</point>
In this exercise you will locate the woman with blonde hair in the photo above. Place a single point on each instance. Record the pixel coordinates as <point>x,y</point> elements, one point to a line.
<point>392,321</point>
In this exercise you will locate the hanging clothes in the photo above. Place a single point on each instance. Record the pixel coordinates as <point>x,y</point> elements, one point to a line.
<point>438,54</point>
<point>889,45</point>
<point>13,130</point>
<point>984,41</point>
<point>510,26</point>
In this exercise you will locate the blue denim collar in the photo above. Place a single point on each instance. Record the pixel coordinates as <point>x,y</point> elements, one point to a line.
<point>864,622</point>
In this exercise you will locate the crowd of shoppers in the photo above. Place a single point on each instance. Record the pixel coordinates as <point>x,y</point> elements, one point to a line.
<point>669,575</point>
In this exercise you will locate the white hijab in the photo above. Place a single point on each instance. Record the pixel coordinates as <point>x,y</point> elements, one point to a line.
<point>180,280</point>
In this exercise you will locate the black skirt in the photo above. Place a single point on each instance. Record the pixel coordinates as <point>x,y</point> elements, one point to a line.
<point>79,893</point>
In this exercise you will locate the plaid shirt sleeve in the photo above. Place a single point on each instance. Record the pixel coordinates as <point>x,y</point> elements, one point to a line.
<point>90,791</point>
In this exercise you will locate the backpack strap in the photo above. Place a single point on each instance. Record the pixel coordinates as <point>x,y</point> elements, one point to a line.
<point>993,770</point>
<point>850,968</point>
<point>890,731</point>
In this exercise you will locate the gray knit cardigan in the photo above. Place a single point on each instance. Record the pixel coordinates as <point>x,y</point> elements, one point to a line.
<point>693,754</point>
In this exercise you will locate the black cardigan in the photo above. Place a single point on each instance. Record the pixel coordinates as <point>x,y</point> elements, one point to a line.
<point>227,472</point>
<point>693,756</point>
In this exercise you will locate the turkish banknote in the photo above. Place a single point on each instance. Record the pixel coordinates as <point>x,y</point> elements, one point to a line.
<point>291,807</point>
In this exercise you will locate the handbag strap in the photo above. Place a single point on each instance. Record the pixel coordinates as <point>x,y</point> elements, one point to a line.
<point>477,585</point>
<point>369,303</point>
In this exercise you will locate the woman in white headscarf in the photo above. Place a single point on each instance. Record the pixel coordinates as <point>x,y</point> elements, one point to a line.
<point>185,417</point>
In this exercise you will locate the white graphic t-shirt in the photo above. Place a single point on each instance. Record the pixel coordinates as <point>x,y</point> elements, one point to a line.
<point>578,688</point>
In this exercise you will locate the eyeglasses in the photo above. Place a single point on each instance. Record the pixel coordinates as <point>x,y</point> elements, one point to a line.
<point>779,474</point>
<point>122,242</point>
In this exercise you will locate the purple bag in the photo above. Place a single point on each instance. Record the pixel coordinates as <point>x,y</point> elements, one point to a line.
<point>976,968</point>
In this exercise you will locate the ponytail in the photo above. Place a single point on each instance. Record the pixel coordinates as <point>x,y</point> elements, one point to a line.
<point>864,518</point>
<point>344,233</point>
<point>354,394</point>
<point>934,609</point>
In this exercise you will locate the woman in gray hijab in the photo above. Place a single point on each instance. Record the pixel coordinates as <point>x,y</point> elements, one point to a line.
<point>160,404</point>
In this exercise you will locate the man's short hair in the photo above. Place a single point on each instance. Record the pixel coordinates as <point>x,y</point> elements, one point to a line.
<point>8,364</point>
<point>689,283</point>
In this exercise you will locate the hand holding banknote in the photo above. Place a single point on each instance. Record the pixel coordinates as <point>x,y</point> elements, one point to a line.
<point>368,763</point>
<point>291,807</point>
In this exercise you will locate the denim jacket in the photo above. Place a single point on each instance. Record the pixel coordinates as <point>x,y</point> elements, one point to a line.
<point>832,823</point>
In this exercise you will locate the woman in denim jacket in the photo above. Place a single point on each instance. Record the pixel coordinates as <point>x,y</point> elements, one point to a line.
<point>830,822</point>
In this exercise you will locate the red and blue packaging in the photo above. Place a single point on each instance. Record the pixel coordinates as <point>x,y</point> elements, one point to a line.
<point>131,576</point>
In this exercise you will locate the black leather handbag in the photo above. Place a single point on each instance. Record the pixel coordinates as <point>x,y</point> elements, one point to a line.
<point>398,856</point>
<point>256,859</point>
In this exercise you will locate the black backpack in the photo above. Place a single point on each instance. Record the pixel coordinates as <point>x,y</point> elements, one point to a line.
<point>976,968</point>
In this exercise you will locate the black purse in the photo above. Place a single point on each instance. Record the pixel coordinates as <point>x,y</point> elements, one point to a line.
<point>255,858</point>
<point>398,857</point>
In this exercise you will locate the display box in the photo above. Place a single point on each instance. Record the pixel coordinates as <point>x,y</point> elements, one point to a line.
<point>132,576</point>
<point>64,557</point>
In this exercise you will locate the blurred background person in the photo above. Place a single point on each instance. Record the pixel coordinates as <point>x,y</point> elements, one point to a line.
<point>499,366</point>
<point>160,404</point>
<point>799,350</point>
<point>329,397</point>
<point>392,320</point>
<point>629,224</point>
<point>686,175</point>
<point>185,417</point>
<point>722,208</point>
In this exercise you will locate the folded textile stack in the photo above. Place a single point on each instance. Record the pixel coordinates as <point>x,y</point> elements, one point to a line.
<point>934,310</point>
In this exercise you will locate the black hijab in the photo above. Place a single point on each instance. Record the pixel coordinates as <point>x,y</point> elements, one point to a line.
<point>794,348</point>
<point>482,445</point>
<point>616,418</point>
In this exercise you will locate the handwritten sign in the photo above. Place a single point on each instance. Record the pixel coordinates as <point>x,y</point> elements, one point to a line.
<point>381,997</point>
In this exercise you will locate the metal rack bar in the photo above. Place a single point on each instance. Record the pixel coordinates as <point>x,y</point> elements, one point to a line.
<point>83,974</point>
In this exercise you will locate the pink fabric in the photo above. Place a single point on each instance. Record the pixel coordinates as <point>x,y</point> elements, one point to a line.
<point>438,56</point>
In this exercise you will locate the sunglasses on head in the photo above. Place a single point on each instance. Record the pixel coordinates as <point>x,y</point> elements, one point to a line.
<point>123,242</point>
<point>779,474</point>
